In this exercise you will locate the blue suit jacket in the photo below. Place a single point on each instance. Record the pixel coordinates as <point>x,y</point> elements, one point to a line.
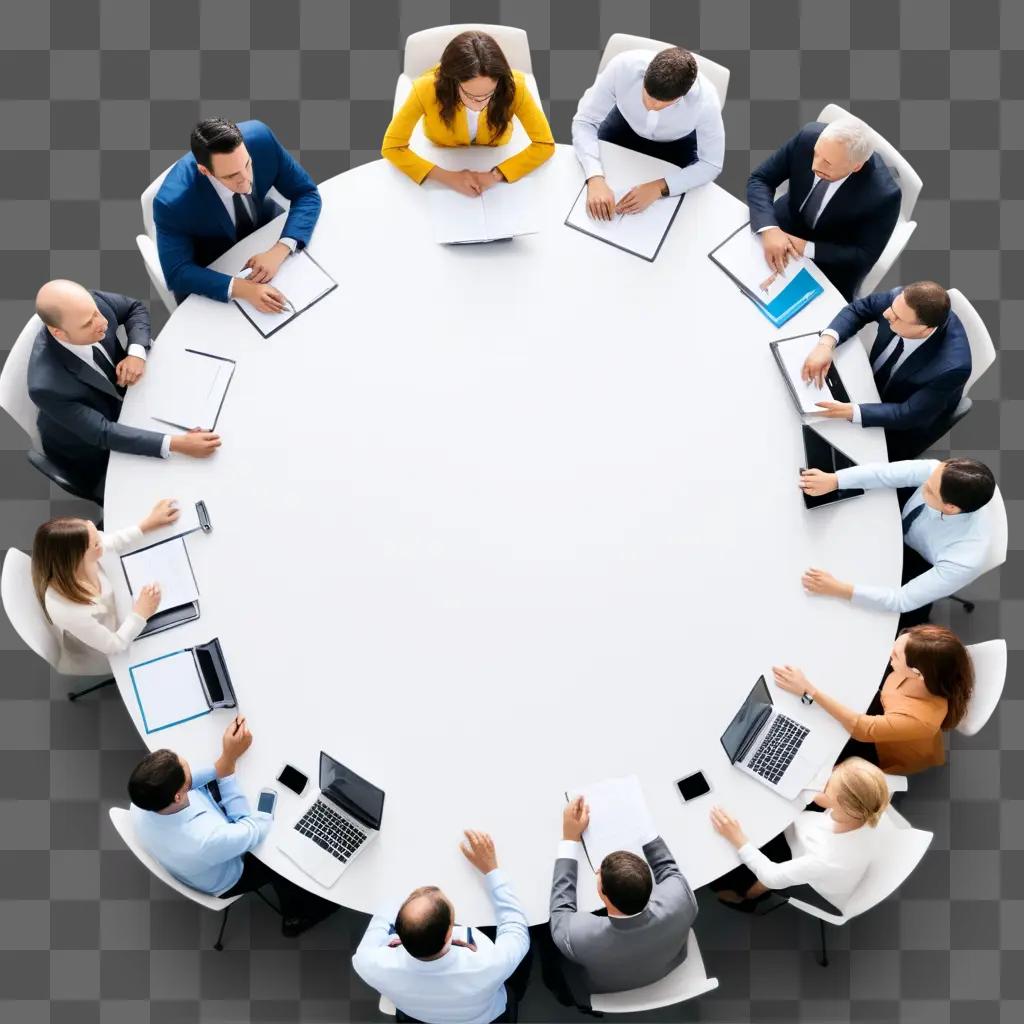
<point>851,231</point>
<point>928,386</point>
<point>193,227</point>
<point>78,406</point>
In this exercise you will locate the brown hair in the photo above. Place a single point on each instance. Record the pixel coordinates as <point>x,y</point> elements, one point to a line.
<point>929,301</point>
<point>670,74</point>
<point>474,55</point>
<point>937,653</point>
<point>862,793</point>
<point>57,552</point>
<point>626,881</point>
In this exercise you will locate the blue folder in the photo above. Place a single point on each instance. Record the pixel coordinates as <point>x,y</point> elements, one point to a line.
<point>797,294</point>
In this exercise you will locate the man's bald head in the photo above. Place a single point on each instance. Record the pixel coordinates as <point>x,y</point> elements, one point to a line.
<point>70,312</point>
<point>424,922</point>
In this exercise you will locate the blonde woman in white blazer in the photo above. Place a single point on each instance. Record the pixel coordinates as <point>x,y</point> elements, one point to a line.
<point>76,594</point>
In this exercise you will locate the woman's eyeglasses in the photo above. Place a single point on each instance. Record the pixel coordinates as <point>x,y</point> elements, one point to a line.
<point>476,99</point>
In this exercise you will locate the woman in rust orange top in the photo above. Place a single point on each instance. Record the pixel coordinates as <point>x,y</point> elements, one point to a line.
<point>924,694</point>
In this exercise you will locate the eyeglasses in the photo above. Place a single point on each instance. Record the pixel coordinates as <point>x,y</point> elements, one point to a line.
<point>896,316</point>
<point>476,99</point>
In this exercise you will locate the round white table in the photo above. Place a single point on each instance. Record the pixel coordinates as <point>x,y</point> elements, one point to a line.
<point>493,522</point>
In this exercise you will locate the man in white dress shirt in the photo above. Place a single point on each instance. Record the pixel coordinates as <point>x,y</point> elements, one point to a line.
<point>659,105</point>
<point>947,526</point>
<point>436,971</point>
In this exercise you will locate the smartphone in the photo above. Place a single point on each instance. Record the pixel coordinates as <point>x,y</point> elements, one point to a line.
<point>267,801</point>
<point>693,786</point>
<point>291,778</point>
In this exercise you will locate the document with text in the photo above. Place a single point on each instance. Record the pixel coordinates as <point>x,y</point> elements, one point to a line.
<point>302,281</point>
<point>639,233</point>
<point>168,564</point>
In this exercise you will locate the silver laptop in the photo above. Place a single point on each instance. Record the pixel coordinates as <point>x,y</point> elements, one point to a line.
<point>769,745</point>
<point>343,820</point>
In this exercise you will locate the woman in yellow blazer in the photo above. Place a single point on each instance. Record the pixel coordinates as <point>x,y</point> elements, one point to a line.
<point>469,99</point>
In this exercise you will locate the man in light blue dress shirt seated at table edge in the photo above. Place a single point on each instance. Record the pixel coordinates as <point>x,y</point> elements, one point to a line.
<point>656,104</point>
<point>204,837</point>
<point>947,527</point>
<point>430,971</point>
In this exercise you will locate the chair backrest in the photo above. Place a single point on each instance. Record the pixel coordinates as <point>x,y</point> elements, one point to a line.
<point>121,819</point>
<point>147,203</point>
<point>999,539</point>
<point>23,608</point>
<point>423,49</point>
<point>14,397</point>
<point>983,350</point>
<point>909,180</point>
<point>989,661</point>
<point>717,74</point>
<point>687,981</point>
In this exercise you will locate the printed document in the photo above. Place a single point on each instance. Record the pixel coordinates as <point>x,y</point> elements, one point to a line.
<point>190,388</point>
<point>742,257</point>
<point>792,352</point>
<point>619,818</point>
<point>302,281</point>
<point>166,564</point>
<point>169,690</point>
<point>503,211</point>
<point>639,233</point>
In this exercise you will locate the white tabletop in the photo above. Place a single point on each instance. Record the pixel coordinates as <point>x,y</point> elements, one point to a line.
<point>491,522</point>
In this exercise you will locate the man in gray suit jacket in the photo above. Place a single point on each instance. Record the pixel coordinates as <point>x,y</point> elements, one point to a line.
<point>649,919</point>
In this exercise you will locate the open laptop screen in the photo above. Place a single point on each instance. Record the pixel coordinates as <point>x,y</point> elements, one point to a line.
<point>357,796</point>
<point>756,708</point>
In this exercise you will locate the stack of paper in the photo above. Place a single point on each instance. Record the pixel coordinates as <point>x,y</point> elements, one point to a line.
<point>619,818</point>
<point>168,564</point>
<point>168,690</point>
<point>503,211</point>
<point>302,281</point>
<point>189,388</point>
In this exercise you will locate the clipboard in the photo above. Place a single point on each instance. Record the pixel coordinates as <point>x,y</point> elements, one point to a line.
<point>332,285</point>
<point>832,378</point>
<point>224,394</point>
<point>615,245</point>
<point>176,614</point>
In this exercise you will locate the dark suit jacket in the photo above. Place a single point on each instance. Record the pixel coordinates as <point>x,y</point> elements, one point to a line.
<point>78,406</point>
<point>193,228</point>
<point>924,391</point>
<point>854,227</point>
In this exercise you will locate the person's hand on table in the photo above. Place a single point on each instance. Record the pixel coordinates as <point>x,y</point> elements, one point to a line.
<point>479,851</point>
<point>778,248</point>
<point>600,199</point>
<point>148,600</point>
<point>639,197</point>
<point>463,182</point>
<point>488,179</point>
<point>264,265</point>
<point>728,827</point>
<point>797,244</point>
<point>575,819</point>
<point>199,444</point>
<point>836,410</point>
<point>265,297</point>
<point>817,364</point>
<point>129,371</point>
<point>816,482</point>
<point>164,512</point>
<point>818,581</point>
<point>236,741</point>
<point>792,680</point>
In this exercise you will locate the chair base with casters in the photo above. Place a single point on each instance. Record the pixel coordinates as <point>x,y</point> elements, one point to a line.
<point>75,694</point>
<point>219,944</point>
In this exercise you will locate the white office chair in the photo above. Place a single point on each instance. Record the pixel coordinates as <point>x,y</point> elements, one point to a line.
<point>147,245</point>
<point>989,661</point>
<point>122,822</point>
<point>983,351</point>
<point>900,849</point>
<point>910,186</point>
<point>998,543</point>
<point>28,618</point>
<point>717,74</point>
<point>687,981</point>
<point>387,1007</point>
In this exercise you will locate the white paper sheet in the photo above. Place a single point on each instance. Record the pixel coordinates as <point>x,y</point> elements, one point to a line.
<point>301,281</point>
<point>619,817</point>
<point>503,211</point>
<point>188,389</point>
<point>169,690</point>
<point>793,352</point>
<point>166,564</point>
<point>743,256</point>
<point>640,233</point>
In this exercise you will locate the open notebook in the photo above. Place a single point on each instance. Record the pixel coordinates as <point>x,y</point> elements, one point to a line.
<point>503,211</point>
<point>302,281</point>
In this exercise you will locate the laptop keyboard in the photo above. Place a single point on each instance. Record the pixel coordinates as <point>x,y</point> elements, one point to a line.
<point>778,748</point>
<point>331,831</point>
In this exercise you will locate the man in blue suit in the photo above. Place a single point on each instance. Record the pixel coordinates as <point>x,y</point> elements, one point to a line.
<point>841,206</point>
<point>920,358</point>
<point>216,196</point>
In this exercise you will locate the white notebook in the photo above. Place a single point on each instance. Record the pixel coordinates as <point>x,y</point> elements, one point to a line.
<point>639,233</point>
<point>169,690</point>
<point>302,281</point>
<point>188,388</point>
<point>166,563</point>
<point>792,353</point>
<point>619,818</point>
<point>742,257</point>
<point>503,211</point>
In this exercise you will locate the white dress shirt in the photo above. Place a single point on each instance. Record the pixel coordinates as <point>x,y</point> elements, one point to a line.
<point>89,633</point>
<point>830,191</point>
<point>910,346</point>
<point>955,546</point>
<point>460,987</point>
<point>472,121</point>
<point>832,863</point>
<point>620,85</point>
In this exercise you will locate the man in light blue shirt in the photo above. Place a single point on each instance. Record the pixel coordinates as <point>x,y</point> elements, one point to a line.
<point>947,528</point>
<point>200,827</point>
<point>431,975</point>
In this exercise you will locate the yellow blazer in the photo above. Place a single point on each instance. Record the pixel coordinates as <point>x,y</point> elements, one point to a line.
<point>422,102</point>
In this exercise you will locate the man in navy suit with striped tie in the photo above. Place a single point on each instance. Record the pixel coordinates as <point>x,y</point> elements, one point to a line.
<point>920,358</point>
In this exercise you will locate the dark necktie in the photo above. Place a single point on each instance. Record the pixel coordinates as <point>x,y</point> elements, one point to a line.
<point>884,372</point>
<point>812,204</point>
<point>908,519</point>
<point>244,225</point>
<point>106,367</point>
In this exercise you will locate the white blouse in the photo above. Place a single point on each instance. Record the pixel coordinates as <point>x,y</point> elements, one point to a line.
<point>473,122</point>
<point>89,633</point>
<point>832,863</point>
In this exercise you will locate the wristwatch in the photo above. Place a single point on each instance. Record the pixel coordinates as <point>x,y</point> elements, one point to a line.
<point>806,698</point>
<point>664,191</point>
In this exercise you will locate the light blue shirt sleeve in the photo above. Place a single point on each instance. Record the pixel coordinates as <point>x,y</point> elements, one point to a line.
<point>941,580</point>
<point>513,939</point>
<point>243,829</point>
<point>710,152</point>
<point>910,473</point>
<point>203,776</point>
<point>365,959</point>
